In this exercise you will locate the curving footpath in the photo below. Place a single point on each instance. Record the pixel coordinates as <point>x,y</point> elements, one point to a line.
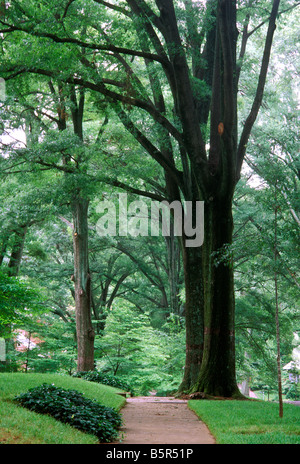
<point>160,420</point>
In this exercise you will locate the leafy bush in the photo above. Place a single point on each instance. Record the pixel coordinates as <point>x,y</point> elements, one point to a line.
<point>292,392</point>
<point>70,406</point>
<point>105,379</point>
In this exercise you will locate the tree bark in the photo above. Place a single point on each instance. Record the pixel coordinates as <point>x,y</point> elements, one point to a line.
<point>82,286</point>
<point>194,306</point>
<point>3,248</point>
<point>279,381</point>
<point>85,333</point>
<point>217,373</point>
<point>173,270</point>
<point>17,251</point>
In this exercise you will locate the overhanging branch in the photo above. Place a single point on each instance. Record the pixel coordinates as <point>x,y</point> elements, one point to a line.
<point>81,43</point>
<point>259,91</point>
<point>101,88</point>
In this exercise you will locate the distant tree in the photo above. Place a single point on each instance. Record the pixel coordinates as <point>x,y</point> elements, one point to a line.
<point>131,348</point>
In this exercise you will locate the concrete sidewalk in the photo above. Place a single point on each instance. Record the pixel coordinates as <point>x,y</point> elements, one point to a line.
<point>154,420</point>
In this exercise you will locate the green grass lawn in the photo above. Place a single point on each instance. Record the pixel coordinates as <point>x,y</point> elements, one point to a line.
<point>21,426</point>
<point>249,422</point>
<point>231,422</point>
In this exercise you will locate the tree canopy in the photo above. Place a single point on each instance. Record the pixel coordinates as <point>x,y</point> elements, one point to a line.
<point>164,101</point>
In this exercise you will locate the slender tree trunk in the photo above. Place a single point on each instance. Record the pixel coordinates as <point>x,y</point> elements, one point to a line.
<point>27,352</point>
<point>17,251</point>
<point>277,309</point>
<point>278,350</point>
<point>3,249</point>
<point>82,280</point>
<point>13,271</point>
<point>174,258</point>
<point>194,305</point>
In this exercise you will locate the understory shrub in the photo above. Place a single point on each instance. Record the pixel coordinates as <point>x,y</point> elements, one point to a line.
<point>105,379</point>
<point>70,406</point>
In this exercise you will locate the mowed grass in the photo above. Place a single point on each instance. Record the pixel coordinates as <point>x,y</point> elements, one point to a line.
<point>21,426</point>
<point>249,422</point>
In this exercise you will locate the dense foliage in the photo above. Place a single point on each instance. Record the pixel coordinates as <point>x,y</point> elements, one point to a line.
<point>70,406</point>
<point>105,379</point>
<point>17,298</point>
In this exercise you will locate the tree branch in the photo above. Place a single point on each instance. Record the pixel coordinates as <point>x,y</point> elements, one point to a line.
<point>184,99</point>
<point>92,46</point>
<point>259,91</point>
<point>129,188</point>
<point>119,9</point>
<point>147,12</point>
<point>164,162</point>
<point>246,34</point>
<point>113,96</point>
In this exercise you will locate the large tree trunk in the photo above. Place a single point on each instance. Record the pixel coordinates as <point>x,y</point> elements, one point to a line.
<point>82,280</point>
<point>209,312</point>
<point>217,373</point>
<point>216,376</point>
